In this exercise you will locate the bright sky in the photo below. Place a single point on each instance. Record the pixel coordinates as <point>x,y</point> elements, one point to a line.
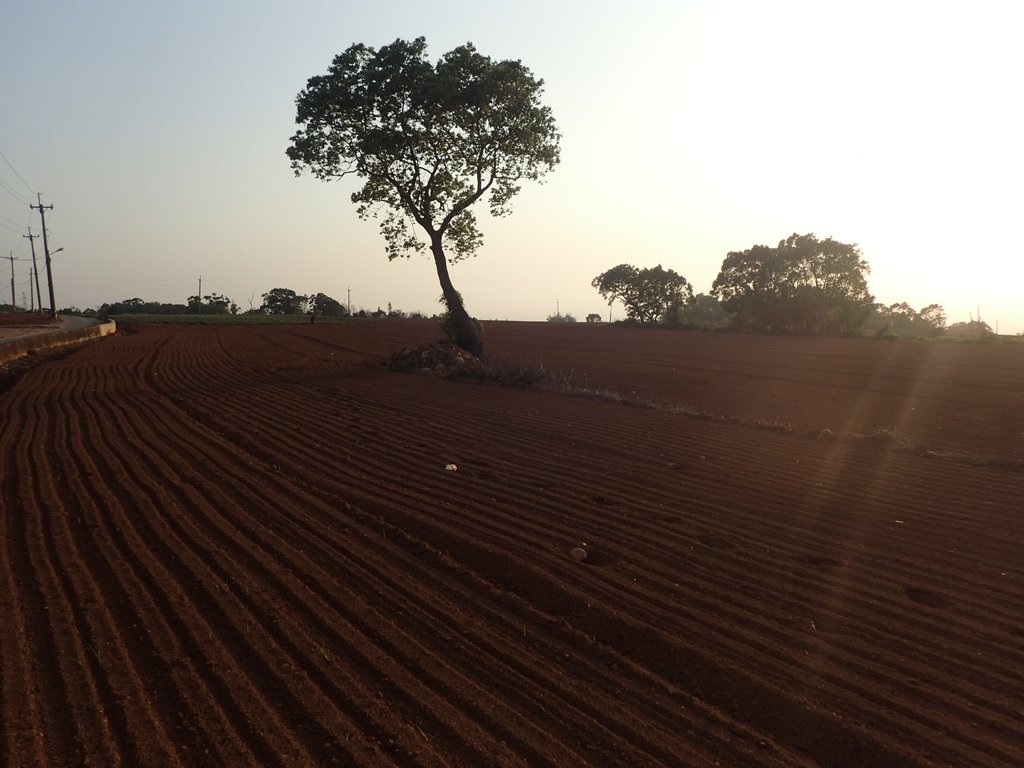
<point>690,129</point>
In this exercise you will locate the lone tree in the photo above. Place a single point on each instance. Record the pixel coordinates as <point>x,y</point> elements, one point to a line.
<point>648,294</point>
<point>429,140</point>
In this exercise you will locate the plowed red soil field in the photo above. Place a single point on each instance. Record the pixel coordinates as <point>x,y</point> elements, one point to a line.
<point>253,546</point>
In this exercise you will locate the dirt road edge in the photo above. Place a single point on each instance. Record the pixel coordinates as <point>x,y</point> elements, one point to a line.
<point>16,348</point>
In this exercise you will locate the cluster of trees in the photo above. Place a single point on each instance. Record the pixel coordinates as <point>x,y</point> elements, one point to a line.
<point>282,301</point>
<point>277,301</point>
<point>973,329</point>
<point>802,285</point>
<point>658,295</point>
<point>649,294</point>
<point>285,301</point>
<point>903,320</point>
<point>210,304</point>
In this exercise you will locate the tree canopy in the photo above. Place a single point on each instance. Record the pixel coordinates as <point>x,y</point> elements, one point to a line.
<point>137,306</point>
<point>322,304</point>
<point>428,141</point>
<point>649,294</point>
<point>283,301</point>
<point>804,285</point>
<point>975,329</point>
<point>212,304</point>
<point>903,320</point>
<point>705,312</point>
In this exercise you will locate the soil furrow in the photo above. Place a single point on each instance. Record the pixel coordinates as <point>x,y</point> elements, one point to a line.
<point>229,618</point>
<point>252,531</point>
<point>308,544</point>
<point>295,448</point>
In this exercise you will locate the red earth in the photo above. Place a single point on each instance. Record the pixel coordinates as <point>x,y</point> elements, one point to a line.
<point>252,545</point>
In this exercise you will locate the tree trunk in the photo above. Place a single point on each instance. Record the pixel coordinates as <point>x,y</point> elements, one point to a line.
<point>462,329</point>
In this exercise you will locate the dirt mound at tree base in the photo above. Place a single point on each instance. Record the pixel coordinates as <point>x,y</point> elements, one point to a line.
<point>440,358</point>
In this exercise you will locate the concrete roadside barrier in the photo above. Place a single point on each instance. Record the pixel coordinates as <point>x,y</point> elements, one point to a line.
<point>12,349</point>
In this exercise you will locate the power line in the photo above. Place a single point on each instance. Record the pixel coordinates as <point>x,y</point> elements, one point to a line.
<point>15,196</point>
<point>9,165</point>
<point>7,226</point>
<point>9,221</point>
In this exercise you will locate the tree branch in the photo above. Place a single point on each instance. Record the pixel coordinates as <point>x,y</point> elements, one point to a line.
<point>421,217</point>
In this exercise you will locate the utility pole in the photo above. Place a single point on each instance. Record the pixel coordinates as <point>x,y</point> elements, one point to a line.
<point>350,301</point>
<point>199,303</point>
<point>14,302</point>
<point>35,266</point>
<point>46,252</point>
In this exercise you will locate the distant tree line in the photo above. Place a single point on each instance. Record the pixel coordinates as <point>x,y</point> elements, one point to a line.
<point>903,320</point>
<point>211,304</point>
<point>277,301</point>
<point>284,301</point>
<point>558,317</point>
<point>801,286</point>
